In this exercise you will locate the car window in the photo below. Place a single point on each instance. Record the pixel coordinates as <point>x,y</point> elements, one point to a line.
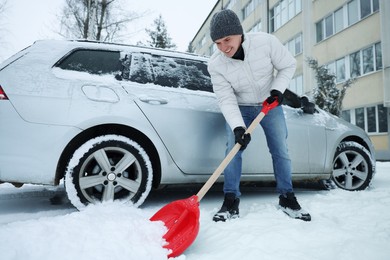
<point>169,72</point>
<point>92,61</point>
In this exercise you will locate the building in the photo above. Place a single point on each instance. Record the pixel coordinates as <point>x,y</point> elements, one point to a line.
<point>350,37</point>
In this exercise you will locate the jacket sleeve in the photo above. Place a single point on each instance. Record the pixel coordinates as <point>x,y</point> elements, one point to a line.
<point>227,100</point>
<point>284,63</point>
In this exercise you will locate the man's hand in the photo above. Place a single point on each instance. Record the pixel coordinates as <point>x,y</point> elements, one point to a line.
<point>241,137</point>
<point>275,95</point>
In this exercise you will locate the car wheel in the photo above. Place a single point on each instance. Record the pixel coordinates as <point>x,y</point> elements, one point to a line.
<point>108,168</point>
<point>352,166</point>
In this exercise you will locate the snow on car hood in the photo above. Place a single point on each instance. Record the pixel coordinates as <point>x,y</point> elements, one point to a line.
<point>330,121</point>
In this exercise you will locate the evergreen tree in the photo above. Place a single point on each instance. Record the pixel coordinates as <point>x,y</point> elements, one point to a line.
<point>327,95</point>
<point>159,37</point>
<point>190,48</point>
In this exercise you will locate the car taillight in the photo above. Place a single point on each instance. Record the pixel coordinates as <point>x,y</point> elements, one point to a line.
<point>3,96</point>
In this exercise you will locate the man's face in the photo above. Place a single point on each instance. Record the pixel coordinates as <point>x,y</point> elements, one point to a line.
<point>229,44</point>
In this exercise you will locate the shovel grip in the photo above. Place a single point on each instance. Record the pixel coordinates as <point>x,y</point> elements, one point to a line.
<point>265,109</point>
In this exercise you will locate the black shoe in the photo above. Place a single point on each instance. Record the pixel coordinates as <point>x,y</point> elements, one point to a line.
<point>288,204</point>
<point>229,209</point>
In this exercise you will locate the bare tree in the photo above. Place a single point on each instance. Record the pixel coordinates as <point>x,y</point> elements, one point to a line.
<point>100,20</point>
<point>3,5</point>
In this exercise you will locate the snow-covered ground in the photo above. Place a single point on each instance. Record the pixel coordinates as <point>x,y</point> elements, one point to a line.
<point>345,225</point>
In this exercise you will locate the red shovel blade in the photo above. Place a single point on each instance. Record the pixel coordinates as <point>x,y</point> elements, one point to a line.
<point>181,217</point>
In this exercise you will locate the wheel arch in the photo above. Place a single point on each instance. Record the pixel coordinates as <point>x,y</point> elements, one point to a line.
<point>356,139</point>
<point>105,129</point>
<point>347,138</point>
<point>362,142</point>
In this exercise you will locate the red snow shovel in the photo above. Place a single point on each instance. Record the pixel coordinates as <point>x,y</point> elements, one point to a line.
<point>181,217</point>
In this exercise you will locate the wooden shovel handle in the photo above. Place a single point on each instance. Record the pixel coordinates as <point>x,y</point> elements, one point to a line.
<point>266,107</point>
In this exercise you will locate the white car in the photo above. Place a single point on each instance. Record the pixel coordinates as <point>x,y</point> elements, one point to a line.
<point>116,120</point>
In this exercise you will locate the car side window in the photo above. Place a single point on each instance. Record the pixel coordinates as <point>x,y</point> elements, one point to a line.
<point>92,61</point>
<point>170,72</point>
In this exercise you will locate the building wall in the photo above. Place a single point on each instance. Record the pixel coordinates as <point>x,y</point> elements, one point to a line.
<point>369,90</point>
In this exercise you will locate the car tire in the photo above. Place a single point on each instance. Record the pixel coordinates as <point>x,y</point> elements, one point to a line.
<point>108,168</point>
<point>353,167</point>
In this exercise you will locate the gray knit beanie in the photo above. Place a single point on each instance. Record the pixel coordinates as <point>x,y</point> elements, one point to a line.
<point>225,23</point>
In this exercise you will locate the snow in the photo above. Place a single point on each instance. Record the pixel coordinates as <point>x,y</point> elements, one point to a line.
<point>345,225</point>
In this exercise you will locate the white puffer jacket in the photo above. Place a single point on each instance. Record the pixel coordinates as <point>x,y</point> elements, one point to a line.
<point>267,65</point>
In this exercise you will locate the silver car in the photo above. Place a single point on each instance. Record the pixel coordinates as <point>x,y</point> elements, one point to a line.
<point>116,120</point>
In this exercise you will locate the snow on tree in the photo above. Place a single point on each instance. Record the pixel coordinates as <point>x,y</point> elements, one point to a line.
<point>327,95</point>
<point>159,37</point>
<point>190,48</point>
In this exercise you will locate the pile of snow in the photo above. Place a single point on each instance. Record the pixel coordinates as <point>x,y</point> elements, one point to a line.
<point>345,225</point>
<point>108,231</point>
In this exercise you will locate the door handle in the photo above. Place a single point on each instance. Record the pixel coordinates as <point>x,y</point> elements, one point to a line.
<point>154,100</point>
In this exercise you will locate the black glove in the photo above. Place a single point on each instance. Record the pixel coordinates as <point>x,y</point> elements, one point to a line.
<point>241,137</point>
<point>307,106</point>
<point>275,95</point>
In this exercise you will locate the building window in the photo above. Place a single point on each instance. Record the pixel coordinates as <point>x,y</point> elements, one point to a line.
<point>295,45</point>
<point>346,115</point>
<point>298,44</point>
<point>337,68</point>
<point>365,61</point>
<point>298,7</point>
<point>320,31</point>
<point>354,64</point>
<point>202,42</point>
<point>375,5</point>
<point>282,12</point>
<point>256,27</point>
<point>332,68</point>
<point>368,60</point>
<point>359,63</point>
<point>371,119</point>
<point>359,117</point>
<point>365,8</point>
<point>231,4</point>
<point>212,49</point>
<point>340,70</point>
<point>291,8</point>
<point>353,15</point>
<point>382,119</point>
<point>335,22</point>
<point>296,85</point>
<point>329,26</point>
<point>378,56</point>
<point>338,20</point>
<point>249,8</point>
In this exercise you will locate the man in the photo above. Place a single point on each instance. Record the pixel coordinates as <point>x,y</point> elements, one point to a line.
<point>242,73</point>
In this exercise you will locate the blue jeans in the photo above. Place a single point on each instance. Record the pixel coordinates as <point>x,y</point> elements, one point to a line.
<point>275,129</point>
